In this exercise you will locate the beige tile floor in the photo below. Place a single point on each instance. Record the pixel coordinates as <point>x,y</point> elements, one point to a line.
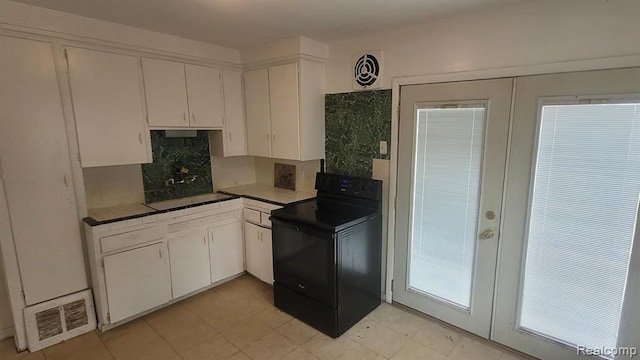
<point>237,321</point>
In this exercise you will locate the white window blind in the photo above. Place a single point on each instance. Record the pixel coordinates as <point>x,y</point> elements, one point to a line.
<point>582,220</point>
<point>445,201</point>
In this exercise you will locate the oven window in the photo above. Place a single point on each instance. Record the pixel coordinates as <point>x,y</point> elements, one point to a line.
<point>306,255</point>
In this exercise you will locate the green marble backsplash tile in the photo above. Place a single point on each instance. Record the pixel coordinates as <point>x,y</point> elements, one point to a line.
<point>356,122</point>
<point>186,160</point>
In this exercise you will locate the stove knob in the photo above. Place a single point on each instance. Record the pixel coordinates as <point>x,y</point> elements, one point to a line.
<point>369,188</point>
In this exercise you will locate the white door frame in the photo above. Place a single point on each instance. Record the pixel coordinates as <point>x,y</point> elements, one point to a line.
<point>513,71</point>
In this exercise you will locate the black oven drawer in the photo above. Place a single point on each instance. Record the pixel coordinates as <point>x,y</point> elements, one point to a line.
<point>304,260</point>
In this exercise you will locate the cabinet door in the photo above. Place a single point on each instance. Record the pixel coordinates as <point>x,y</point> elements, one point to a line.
<point>235,141</point>
<point>204,90</point>
<point>226,251</point>
<point>256,93</point>
<point>108,107</point>
<point>137,280</point>
<point>166,93</point>
<point>36,173</point>
<point>283,92</point>
<point>266,252</point>
<point>252,244</point>
<point>189,256</point>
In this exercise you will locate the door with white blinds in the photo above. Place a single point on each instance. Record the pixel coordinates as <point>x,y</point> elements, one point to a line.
<point>565,285</point>
<point>451,160</point>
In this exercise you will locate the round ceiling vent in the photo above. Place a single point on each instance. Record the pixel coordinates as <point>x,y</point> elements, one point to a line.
<point>366,70</point>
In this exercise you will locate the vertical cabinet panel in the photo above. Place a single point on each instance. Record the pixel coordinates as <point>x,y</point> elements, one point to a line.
<point>256,92</point>
<point>37,174</point>
<point>189,256</point>
<point>137,280</point>
<point>108,107</point>
<point>259,252</point>
<point>283,91</point>
<point>166,93</point>
<point>204,91</point>
<point>226,251</point>
<point>234,128</point>
<point>266,247</point>
<point>252,244</point>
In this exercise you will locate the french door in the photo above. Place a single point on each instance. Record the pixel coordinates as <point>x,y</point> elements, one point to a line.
<point>553,268</point>
<point>451,167</point>
<point>565,283</point>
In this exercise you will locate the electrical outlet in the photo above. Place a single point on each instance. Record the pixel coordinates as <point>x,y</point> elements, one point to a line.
<point>383,147</point>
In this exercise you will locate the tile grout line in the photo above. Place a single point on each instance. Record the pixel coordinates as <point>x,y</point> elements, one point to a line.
<point>103,344</point>
<point>160,335</point>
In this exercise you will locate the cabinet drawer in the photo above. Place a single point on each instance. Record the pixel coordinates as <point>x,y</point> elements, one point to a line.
<point>252,215</point>
<point>264,219</point>
<point>131,238</point>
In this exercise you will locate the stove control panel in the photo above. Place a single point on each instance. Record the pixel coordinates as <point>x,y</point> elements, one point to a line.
<point>349,185</point>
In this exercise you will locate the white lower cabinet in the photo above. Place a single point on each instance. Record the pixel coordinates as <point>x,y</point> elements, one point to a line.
<point>142,264</point>
<point>226,251</point>
<point>137,280</point>
<point>189,258</point>
<point>259,252</point>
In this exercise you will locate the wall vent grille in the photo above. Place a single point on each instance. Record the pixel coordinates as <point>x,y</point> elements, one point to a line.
<point>59,319</point>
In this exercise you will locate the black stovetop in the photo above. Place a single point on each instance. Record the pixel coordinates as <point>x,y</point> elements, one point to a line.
<point>326,215</point>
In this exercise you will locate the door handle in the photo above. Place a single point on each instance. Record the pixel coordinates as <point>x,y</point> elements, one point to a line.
<point>193,117</point>
<point>488,234</point>
<point>184,117</point>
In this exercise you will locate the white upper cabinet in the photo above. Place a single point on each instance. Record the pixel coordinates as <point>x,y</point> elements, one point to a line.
<point>283,93</point>
<point>204,92</point>
<point>256,92</point>
<point>166,93</point>
<point>36,173</point>
<point>108,106</point>
<point>183,96</point>
<point>235,130</point>
<point>285,111</point>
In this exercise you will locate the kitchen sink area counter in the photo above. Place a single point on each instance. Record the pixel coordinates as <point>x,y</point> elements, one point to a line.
<point>268,193</point>
<point>177,204</point>
<point>111,214</point>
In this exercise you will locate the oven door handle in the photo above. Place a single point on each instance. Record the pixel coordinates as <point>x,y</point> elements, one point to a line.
<point>301,227</point>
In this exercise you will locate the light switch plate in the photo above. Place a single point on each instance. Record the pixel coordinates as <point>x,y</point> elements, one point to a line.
<point>383,147</point>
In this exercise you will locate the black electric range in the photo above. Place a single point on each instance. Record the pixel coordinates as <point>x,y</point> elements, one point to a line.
<point>327,253</point>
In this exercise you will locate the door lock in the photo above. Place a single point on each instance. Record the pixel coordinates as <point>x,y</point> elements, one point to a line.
<point>488,234</point>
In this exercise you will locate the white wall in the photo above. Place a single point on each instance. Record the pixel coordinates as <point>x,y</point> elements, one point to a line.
<point>28,18</point>
<point>6,318</point>
<point>525,34</point>
<point>232,171</point>
<point>113,185</point>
